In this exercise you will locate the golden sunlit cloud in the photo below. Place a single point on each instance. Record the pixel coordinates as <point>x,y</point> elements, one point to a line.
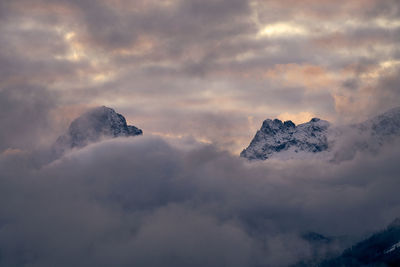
<point>309,76</point>
<point>75,49</point>
<point>102,77</point>
<point>179,136</point>
<point>377,71</point>
<point>12,152</point>
<point>282,29</point>
<point>389,64</point>
<point>387,23</point>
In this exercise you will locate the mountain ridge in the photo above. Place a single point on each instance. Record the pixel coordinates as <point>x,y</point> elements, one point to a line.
<point>285,140</point>
<point>275,136</point>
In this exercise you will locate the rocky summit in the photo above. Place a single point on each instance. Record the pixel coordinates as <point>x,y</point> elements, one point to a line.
<point>277,136</point>
<point>318,138</point>
<point>96,124</point>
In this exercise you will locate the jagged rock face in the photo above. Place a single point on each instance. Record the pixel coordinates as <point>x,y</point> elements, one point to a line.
<point>285,140</point>
<point>276,136</point>
<point>97,123</point>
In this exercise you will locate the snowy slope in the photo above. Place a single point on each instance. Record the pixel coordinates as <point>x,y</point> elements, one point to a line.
<point>317,138</point>
<point>276,136</point>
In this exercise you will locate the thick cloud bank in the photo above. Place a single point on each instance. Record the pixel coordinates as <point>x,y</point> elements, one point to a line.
<point>151,202</point>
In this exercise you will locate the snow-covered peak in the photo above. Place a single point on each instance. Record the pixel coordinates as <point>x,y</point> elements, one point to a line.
<point>277,136</point>
<point>95,124</point>
<point>285,140</point>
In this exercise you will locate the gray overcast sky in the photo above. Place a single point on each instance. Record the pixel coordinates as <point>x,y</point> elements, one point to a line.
<point>212,69</point>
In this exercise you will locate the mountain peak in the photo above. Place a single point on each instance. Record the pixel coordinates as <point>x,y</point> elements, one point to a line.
<point>286,140</point>
<point>277,136</point>
<point>93,125</point>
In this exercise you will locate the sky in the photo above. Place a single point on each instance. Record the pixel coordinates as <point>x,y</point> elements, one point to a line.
<point>198,77</point>
<point>210,69</point>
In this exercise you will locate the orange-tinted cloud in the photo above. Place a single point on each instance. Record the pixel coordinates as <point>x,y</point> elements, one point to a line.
<point>309,76</point>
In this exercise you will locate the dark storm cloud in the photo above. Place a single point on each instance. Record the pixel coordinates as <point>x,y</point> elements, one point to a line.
<point>144,201</point>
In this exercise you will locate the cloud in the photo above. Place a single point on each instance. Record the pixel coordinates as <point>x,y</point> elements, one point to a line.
<point>150,201</point>
<point>25,116</point>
